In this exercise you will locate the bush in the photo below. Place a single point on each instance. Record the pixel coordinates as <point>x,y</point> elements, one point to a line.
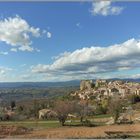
<point>18,117</point>
<point>87,123</point>
<point>100,110</point>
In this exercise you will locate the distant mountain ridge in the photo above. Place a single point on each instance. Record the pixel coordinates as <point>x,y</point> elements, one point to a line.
<point>50,84</point>
<point>38,84</point>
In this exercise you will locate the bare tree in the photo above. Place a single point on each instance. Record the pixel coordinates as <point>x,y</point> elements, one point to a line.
<point>63,108</point>
<point>115,108</point>
<point>82,109</point>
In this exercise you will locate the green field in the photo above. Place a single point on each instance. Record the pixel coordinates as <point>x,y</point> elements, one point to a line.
<point>102,116</point>
<point>33,124</point>
<point>36,124</point>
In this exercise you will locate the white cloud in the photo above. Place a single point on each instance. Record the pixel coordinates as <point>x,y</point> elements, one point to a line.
<point>89,62</point>
<point>61,55</point>
<point>3,53</point>
<point>4,70</point>
<point>14,49</point>
<point>105,8</point>
<point>6,74</point>
<point>135,76</point>
<point>49,35</point>
<point>17,33</point>
<point>26,48</point>
<point>37,50</point>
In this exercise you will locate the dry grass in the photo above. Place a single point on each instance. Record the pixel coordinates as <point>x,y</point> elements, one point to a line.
<point>81,132</point>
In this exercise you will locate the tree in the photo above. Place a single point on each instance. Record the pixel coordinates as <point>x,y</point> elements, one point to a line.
<point>102,106</point>
<point>82,109</point>
<point>13,104</point>
<point>35,108</point>
<point>115,108</point>
<point>130,112</point>
<point>20,109</point>
<point>63,108</point>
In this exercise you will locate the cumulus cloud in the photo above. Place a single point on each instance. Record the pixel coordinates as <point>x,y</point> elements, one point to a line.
<point>90,61</point>
<point>105,8</point>
<point>17,33</point>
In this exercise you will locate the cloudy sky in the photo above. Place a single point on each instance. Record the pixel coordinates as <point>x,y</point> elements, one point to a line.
<point>61,41</point>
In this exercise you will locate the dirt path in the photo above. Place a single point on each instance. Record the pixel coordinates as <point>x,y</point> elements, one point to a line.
<point>81,132</point>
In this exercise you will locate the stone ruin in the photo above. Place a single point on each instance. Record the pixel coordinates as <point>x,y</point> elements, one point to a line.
<point>86,85</point>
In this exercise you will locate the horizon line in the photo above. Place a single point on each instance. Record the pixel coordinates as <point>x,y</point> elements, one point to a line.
<point>67,81</point>
<point>68,0</point>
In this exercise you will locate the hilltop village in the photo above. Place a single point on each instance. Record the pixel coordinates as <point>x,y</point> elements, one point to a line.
<point>103,88</point>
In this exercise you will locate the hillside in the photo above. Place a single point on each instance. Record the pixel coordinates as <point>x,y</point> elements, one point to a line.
<point>28,94</point>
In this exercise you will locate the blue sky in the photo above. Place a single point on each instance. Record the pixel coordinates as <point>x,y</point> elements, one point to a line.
<point>58,41</point>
